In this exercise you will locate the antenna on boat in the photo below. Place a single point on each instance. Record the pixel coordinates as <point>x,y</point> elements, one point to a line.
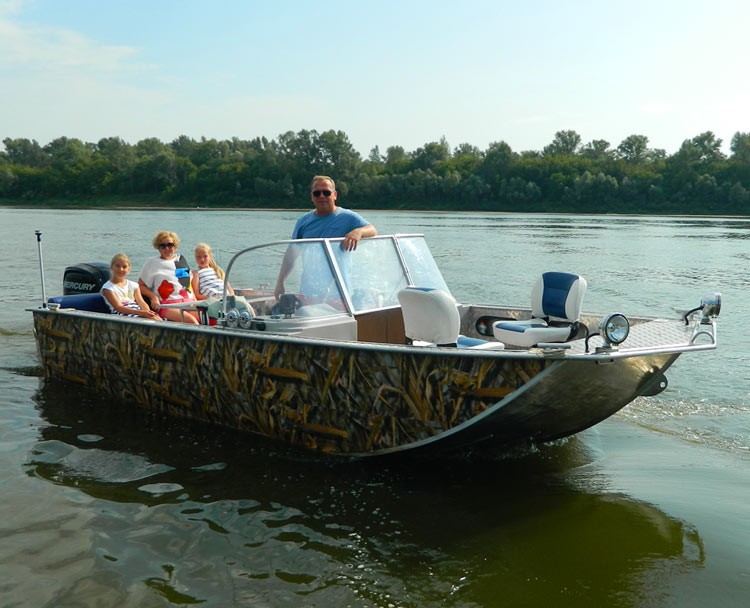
<point>41,266</point>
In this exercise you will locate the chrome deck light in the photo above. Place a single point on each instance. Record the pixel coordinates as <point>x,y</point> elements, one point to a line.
<point>711,307</point>
<point>614,329</point>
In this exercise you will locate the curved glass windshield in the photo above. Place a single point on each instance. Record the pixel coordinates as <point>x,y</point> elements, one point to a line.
<point>325,279</point>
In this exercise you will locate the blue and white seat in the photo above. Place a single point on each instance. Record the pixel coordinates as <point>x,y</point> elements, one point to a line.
<point>431,318</point>
<point>556,301</point>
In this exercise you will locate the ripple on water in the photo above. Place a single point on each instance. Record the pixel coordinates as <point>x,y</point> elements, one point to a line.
<point>60,460</point>
<point>719,425</point>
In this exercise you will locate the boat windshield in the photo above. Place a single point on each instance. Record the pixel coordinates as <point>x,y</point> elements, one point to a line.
<point>325,280</point>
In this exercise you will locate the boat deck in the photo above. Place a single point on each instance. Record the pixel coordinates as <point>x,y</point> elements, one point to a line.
<point>656,334</point>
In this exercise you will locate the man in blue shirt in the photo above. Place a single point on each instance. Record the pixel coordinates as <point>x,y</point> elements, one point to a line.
<point>327,220</point>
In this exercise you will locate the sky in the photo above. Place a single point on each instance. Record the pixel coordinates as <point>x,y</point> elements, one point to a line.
<point>386,73</point>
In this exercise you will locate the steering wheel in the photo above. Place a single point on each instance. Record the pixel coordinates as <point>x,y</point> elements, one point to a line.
<point>287,304</point>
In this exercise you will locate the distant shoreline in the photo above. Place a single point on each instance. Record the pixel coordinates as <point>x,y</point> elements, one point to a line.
<point>110,207</point>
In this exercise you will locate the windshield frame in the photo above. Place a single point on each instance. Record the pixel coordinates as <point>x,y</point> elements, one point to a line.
<point>406,261</point>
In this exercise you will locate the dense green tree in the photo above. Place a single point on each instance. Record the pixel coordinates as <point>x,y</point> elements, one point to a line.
<point>520,195</point>
<point>25,152</point>
<point>565,143</point>
<point>633,149</point>
<point>156,174</point>
<point>337,156</point>
<point>496,165</point>
<point>264,172</point>
<point>120,155</point>
<point>597,193</point>
<point>28,183</point>
<point>396,160</point>
<point>7,181</point>
<point>464,162</point>
<point>739,199</point>
<point>394,154</point>
<point>183,146</point>
<point>150,146</point>
<point>373,165</point>
<point>467,150</point>
<point>686,171</point>
<point>740,147</point>
<point>300,151</point>
<point>597,150</point>
<point>736,171</point>
<point>203,152</point>
<point>375,156</point>
<point>430,155</point>
<point>708,148</point>
<point>63,151</point>
<point>473,190</point>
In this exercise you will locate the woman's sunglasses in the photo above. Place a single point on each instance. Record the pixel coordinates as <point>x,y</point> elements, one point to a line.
<point>165,245</point>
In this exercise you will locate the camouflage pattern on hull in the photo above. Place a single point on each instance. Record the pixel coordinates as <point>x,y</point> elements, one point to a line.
<point>313,395</point>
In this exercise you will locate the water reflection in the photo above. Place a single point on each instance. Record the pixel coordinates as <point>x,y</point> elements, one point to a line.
<point>188,514</point>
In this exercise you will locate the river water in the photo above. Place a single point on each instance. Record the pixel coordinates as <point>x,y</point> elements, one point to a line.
<point>103,505</point>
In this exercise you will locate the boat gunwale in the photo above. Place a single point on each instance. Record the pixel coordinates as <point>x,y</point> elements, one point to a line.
<point>442,351</point>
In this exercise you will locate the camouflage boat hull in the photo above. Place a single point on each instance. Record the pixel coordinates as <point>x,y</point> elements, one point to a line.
<point>349,399</point>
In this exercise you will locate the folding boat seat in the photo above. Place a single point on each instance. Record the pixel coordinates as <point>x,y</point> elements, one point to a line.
<point>431,318</point>
<point>556,300</point>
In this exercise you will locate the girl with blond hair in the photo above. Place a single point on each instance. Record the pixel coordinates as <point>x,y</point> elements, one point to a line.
<point>208,279</point>
<point>123,295</point>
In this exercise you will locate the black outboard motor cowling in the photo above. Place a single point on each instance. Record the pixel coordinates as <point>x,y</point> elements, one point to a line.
<point>85,278</point>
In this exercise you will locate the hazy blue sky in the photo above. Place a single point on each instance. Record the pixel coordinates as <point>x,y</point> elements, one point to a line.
<point>384,72</point>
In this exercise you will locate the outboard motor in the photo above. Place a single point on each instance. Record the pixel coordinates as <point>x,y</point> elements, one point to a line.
<point>85,278</point>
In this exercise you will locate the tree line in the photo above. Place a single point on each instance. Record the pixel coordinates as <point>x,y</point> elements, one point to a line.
<point>565,176</point>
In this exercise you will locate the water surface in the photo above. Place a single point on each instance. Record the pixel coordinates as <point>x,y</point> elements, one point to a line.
<point>104,505</point>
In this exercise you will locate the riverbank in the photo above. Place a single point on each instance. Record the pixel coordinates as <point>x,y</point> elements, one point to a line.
<point>155,205</point>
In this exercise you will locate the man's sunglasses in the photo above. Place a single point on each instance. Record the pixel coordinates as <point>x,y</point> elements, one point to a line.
<point>323,192</point>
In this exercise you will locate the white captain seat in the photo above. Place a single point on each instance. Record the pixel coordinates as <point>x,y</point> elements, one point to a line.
<point>431,318</point>
<point>556,301</point>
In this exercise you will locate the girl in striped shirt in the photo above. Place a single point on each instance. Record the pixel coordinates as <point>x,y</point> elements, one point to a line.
<point>208,278</point>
